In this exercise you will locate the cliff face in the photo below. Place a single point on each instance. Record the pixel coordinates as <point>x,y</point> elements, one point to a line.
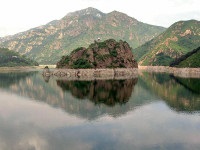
<point>106,54</point>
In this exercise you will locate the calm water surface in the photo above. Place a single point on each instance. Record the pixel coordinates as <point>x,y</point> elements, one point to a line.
<point>153,111</point>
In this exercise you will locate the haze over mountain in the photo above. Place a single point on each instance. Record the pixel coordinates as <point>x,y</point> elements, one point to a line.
<point>46,44</point>
<point>11,59</point>
<point>177,40</point>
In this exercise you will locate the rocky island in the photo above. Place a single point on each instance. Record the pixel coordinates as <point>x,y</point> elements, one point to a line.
<point>106,54</point>
<point>107,58</point>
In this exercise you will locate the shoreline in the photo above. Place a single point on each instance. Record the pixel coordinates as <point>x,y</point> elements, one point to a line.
<point>111,73</point>
<point>179,72</point>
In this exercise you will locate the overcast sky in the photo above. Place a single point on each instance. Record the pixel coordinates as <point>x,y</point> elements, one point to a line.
<point>21,15</point>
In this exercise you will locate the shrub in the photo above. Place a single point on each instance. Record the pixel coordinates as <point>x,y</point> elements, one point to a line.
<point>81,63</point>
<point>113,53</point>
<point>102,45</point>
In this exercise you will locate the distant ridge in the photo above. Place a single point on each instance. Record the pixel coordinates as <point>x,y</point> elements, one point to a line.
<point>47,43</point>
<point>177,40</point>
<point>12,59</point>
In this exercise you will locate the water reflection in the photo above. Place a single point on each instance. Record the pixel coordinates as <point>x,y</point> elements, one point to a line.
<point>140,113</point>
<point>180,94</point>
<point>192,84</point>
<point>79,97</point>
<point>8,79</point>
<point>109,92</point>
<point>176,95</point>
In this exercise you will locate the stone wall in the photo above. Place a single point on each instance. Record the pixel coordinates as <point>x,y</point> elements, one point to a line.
<point>91,74</point>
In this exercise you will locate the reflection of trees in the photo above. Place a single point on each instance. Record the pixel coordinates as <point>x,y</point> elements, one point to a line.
<point>11,78</point>
<point>192,84</point>
<point>114,93</point>
<point>108,92</point>
<point>175,94</point>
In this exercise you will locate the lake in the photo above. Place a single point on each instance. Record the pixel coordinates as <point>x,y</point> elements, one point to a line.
<point>153,111</point>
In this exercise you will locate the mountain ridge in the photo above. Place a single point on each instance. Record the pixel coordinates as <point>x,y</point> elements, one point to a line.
<point>47,43</point>
<point>177,40</point>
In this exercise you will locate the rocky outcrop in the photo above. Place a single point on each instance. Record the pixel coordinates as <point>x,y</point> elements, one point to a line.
<point>106,54</point>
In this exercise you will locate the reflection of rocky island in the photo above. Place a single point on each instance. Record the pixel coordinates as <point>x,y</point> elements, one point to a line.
<point>67,96</point>
<point>35,88</point>
<point>177,96</point>
<point>108,92</point>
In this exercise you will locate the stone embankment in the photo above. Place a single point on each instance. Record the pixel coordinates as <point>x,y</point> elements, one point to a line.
<point>180,72</point>
<point>91,74</point>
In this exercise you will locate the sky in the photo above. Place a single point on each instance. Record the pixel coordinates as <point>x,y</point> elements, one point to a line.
<point>20,15</point>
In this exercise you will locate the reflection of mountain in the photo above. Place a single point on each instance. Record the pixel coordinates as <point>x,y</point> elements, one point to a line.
<point>7,79</point>
<point>109,92</point>
<point>192,84</point>
<point>92,99</point>
<point>34,87</point>
<point>176,95</point>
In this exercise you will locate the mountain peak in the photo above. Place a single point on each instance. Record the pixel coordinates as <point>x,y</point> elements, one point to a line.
<point>86,11</point>
<point>48,43</point>
<point>121,15</point>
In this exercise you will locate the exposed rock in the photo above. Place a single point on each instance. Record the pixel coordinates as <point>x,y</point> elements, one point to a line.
<point>107,54</point>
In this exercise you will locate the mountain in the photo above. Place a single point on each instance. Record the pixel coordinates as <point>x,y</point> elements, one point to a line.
<point>191,59</point>
<point>47,43</point>
<point>176,41</point>
<point>11,59</point>
<point>105,54</point>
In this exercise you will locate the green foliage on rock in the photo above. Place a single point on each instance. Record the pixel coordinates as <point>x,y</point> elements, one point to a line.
<point>81,63</point>
<point>104,54</point>
<point>113,53</point>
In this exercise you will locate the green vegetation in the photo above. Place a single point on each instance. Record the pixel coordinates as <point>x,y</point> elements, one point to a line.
<point>113,53</point>
<point>81,63</point>
<point>49,43</point>
<point>11,59</point>
<point>177,40</point>
<point>106,54</point>
<point>101,44</point>
<point>191,59</point>
<point>162,60</point>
